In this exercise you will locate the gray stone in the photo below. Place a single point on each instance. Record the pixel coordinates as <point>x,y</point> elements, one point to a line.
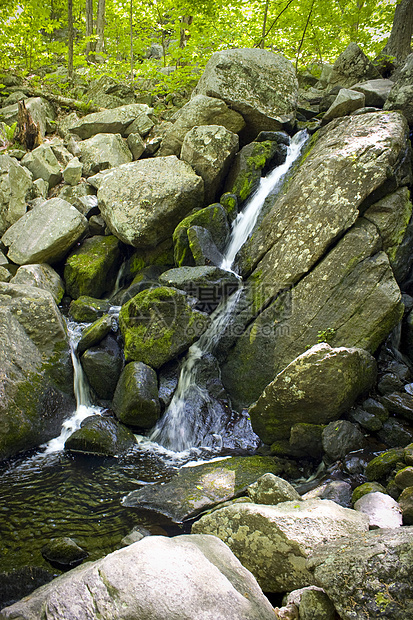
<point>40,189</point>
<point>63,553</point>
<point>316,387</point>
<point>103,151</point>
<point>5,275</point>
<point>45,234</point>
<point>210,150</point>
<point>375,91</point>
<point>109,121</point>
<point>346,102</point>
<point>404,477</point>
<point>202,247</point>
<point>394,434</point>
<point>383,464</point>
<point>208,284</point>
<point>199,575</point>
<point>352,66</point>
<point>366,420</point>
<point>136,145</point>
<point>258,84</point>
<point>102,436</point>
<point>143,202</point>
<point>73,172</point>
<point>141,125</point>
<point>200,110</point>
<point>62,154</point>
<point>382,510</point>
<point>102,365</point>
<point>15,183</point>
<point>88,309</point>
<point>43,276</point>
<point>40,109</point>
<point>136,401</point>
<point>380,561</point>
<point>199,488</point>
<point>340,438</point>
<point>338,491</point>
<point>273,542</point>
<point>270,489</point>
<point>406,505</point>
<point>401,95</point>
<point>400,404</point>
<point>312,602</point>
<point>43,164</point>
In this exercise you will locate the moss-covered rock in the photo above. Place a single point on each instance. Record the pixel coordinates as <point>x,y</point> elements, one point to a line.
<point>87,309</point>
<point>93,334</point>
<point>404,477</point>
<point>136,401</point>
<point>406,504</point>
<point>91,269</point>
<point>159,324</point>
<point>63,553</point>
<point>102,365</point>
<point>383,464</point>
<point>102,436</point>
<point>365,488</point>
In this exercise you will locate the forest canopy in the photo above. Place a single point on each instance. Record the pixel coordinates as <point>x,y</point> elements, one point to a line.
<point>141,38</point>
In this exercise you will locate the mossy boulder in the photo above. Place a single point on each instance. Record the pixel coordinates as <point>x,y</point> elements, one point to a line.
<point>91,269</point>
<point>365,488</point>
<point>93,334</point>
<point>87,309</point>
<point>159,324</point>
<point>63,553</point>
<point>101,436</point>
<point>383,464</point>
<point>102,365</point>
<point>406,504</point>
<point>136,401</point>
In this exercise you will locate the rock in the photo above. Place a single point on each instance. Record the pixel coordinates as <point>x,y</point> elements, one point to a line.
<point>203,248</point>
<point>313,604</point>
<point>318,386</point>
<point>43,276</point>
<point>45,234</point>
<point>19,582</point>
<point>400,97</point>
<point>190,564</point>
<point>389,383</point>
<point>5,275</point>
<point>210,149</point>
<point>266,86</point>
<point>212,218</point>
<point>273,542</point>
<point>406,505</point>
<point>394,434</point>
<point>272,490</point>
<point>143,202</point>
<point>102,366</point>
<point>136,401</point>
<point>380,561</point>
<point>136,145</point>
<point>82,197</point>
<point>404,477</point>
<point>115,121</point>
<point>336,490</point>
<point>63,553</point>
<point>352,66</point>
<point>408,454</point>
<point>43,164</point>
<point>35,369</point>
<point>137,533</point>
<point>306,439</point>
<point>198,488</point>
<point>40,109</point>
<point>375,91</point>
<point>382,510</point>
<point>159,324</point>
<point>346,102</point>
<point>366,420</point>
<point>95,333</point>
<point>62,154</point>
<point>340,438</point>
<point>73,172</point>
<point>366,487</point>
<point>87,309</point>
<point>199,111</point>
<point>383,464</point>
<point>108,93</point>
<point>102,436</point>
<point>103,151</point>
<point>15,183</point>
<point>400,404</point>
<point>91,268</point>
<point>39,189</point>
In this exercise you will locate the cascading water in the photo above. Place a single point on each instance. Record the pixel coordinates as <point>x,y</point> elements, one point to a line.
<point>179,429</point>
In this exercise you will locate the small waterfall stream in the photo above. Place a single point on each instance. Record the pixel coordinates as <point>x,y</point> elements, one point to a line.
<point>177,430</point>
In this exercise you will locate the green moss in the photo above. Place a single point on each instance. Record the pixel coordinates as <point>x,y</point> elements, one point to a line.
<point>383,464</point>
<point>367,487</point>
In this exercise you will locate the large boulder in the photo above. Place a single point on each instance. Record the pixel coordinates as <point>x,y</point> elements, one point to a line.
<point>401,95</point>
<point>352,66</point>
<point>136,401</point>
<point>210,150</point>
<point>158,578</point>
<point>316,388</point>
<point>102,436</point>
<point>102,365</point>
<point>368,575</point>
<point>159,324</point>
<point>200,110</point>
<point>15,182</point>
<point>43,276</point>
<point>375,91</point>
<point>273,542</point>
<point>43,164</point>
<point>346,102</point>
<point>45,234</point>
<point>116,120</point>
<point>142,202</point>
<point>258,84</point>
<point>103,151</point>
<point>35,369</point>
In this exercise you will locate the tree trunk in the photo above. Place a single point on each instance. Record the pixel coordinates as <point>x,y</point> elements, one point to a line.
<point>399,44</point>
<point>186,20</point>
<point>89,30</point>
<point>100,30</point>
<point>264,25</point>
<point>131,39</point>
<point>70,39</point>
<point>28,132</point>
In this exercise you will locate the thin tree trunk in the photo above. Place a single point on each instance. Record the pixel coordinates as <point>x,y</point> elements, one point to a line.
<point>399,44</point>
<point>89,30</point>
<point>303,37</point>
<point>100,29</point>
<point>186,20</point>
<point>274,22</point>
<point>264,25</point>
<point>131,39</point>
<point>70,39</point>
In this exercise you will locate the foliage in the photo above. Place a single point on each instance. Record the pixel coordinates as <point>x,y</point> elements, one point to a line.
<point>34,34</point>
<point>326,335</point>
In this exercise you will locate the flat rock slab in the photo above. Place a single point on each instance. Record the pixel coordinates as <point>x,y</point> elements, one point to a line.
<point>110,121</point>
<point>198,488</point>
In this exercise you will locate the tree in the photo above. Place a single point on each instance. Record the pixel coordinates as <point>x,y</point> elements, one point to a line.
<point>399,44</point>
<point>70,39</point>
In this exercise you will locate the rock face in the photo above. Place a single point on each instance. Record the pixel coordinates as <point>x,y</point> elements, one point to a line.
<point>157,577</point>
<point>142,202</point>
<point>316,388</point>
<point>315,217</point>
<point>379,560</point>
<point>35,368</point>
<point>273,542</point>
<point>45,234</point>
<point>258,84</point>
<point>400,97</point>
<point>15,182</point>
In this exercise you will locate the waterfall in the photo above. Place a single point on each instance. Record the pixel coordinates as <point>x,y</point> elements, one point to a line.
<point>84,408</point>
<point>178,428</point>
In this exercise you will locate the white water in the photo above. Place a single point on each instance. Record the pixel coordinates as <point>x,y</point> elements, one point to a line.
<point>175,430</point>
<point>84,407</point>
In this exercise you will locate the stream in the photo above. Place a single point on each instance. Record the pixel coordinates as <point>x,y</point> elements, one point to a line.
<point>50,493</point>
